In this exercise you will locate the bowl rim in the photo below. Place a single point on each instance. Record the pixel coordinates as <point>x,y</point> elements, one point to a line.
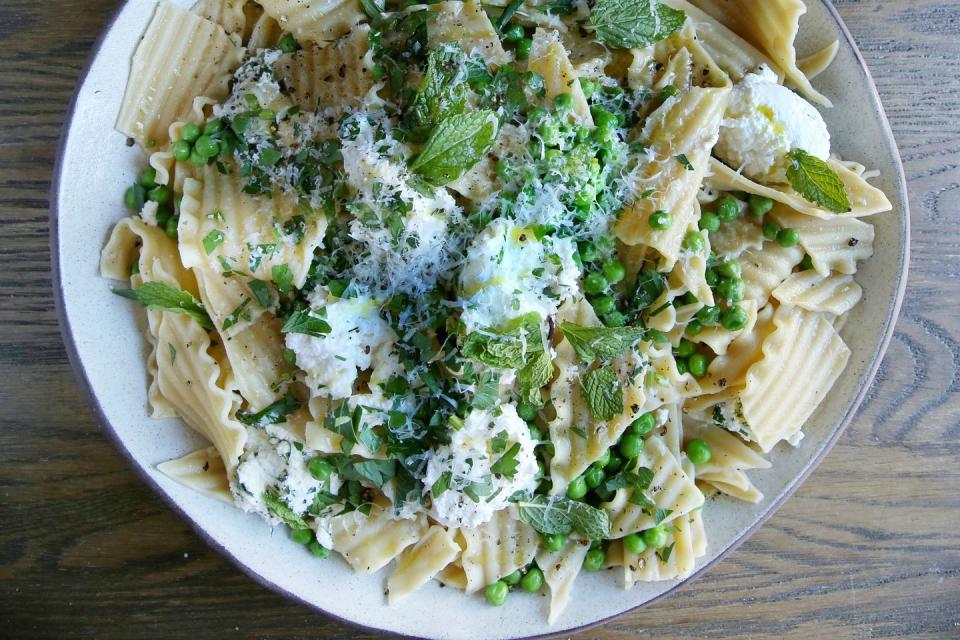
<point>865,383</point>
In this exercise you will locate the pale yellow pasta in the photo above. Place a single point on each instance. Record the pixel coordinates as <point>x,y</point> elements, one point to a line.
<point>772,26</point>
<point>802,359</point>
<point>730,368</point>
<point>422,562</point>
<point>818,61</point>
<point>737,236</point>
<point>865,199</point>
<point>202,471</point>
<point>496,549</point>
<point>467,24</point>
<point>181,56</point>
<point>368,543</point>
<point>730,457</point>
<point>255,353</point>
<point>335,74</point>
<point>688,539</point>
<point>478,183</point>
<point>229,14</point>
<point>704,70</point>
<point>764,269</point>
<point>809,290</point>
<point>691,269</point>
<point>719,338</point>
<point>548,57</point>
<point>688,126</point>
<point>560,570</point>
<point>318,21</point>
<point>672,490</point>
<point>834,244</point>
<point>262,30</point>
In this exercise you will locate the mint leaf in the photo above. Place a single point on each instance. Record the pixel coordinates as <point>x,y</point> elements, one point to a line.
<point>506,465</point>
<point>278,508</point>
<point>282,277</point>
<point>664,553</point>
<point>638,481</point>
<point>456,144</point>
<point>212,240</point>
<point>303,322</point>
<point>661,514</point>
<point>605,343</point>
<point>271,414</point>
<point>562,516</point>
<point>534,376</point>
<point>508,348</point>
<point>441,92</point>
<point>238,314</point>
<point>261,292</point>
<point>813,179</point>
<point>603,393</point>
<point>634,23</point>
<point>377,472</point>
<point>156,295</point>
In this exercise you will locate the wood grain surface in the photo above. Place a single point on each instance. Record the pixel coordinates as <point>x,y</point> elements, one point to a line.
<point>868,547</point>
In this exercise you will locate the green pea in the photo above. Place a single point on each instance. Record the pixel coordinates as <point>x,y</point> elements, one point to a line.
<point>644,424</point>
<point>788,237</point>
<point>709,316</point>
<point>198,160</point>
<point>730,268</point>
<point>682,366</point>
<point>148,179</point>
<point>135,197</point>
<point>514,578</point>
<point>589,86</point>
<point>563,102</point>
<point>496,593</point>
<point>656,537</point>
<point>615,319</point>
<point>577,488</point>
<point>660,220</point>
<point>603,304</point>
<point>602,461</point>
<point>287,43</point>
<point>698,451</point>
<point>695,242</point>
<point>615,464</point>
<point>527,411</point>
<point>207,146</point>
<point>711,278</point>
<point>630,445</point>
<point>759,205</point>
<point>614,271</point>
<point>734,318</point>
<point>171,227</point>
<point>514,34</point>
<point>731,289</point>
<point>709,222</point>
<point>523,48</point>
<point>379,71</point>
<point>318,550</point>
<point>634,543</point>
<point>807,263</point>
<point>181,150</point>
<point>320,469</point>
<point>213,127</point>
<point>697,364</point>
<point>770,230</point>
<point>554,542</point>
<point>532,582</point>
<point>190,132</point>
<point>594,477</point>
<point>602,118</point>
<point>694,327</point>
<point>163,215</point>
<point>728,210</point>
<point>685,349</point>
<point>594,560</point>
<point>301,536</point>
<point>594,283</point>
<point>159,194</point>
<point>588,251</point>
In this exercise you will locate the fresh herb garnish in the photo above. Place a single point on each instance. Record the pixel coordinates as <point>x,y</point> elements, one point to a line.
<point>634,24</point>
<point>813,179</point>
<point>156,295</point>
<point>261,292</point>
<point>506,465</point>
<point>212,240</point>
<point>562,516</point>
<point>282,277</point>
<point>603,393</point>
<point>303,322</point>
<point>456,144</point>
<point>273,413</point>
<point>683,160</point>
<point>278,508</point>
<point>605,343</point>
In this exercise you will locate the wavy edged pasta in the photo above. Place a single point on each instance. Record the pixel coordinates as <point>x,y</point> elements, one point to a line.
<point>687,125</point>
<point>689,543</point>
<point>320,21</point>
<point>764,269</point>
<point>369,542</point>
<point>181,56</point>
<point>836,293</point>
<point>560,570</point>
<point>201,470</point>
<point>834,244</point>
<point>548,57</point>
<point>496,549</point>
<point>336,74</point>
<point>730,458</point>
<point>229,14</point>
<point>422,562</point>
<point>467,24</point>
<point>865,199</point>
<point>802,358</point>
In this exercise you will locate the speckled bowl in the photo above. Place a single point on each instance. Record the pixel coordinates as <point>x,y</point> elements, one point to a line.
<point>104,338</point>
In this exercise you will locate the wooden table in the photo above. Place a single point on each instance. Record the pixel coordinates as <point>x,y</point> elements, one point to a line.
<point>869,546</point>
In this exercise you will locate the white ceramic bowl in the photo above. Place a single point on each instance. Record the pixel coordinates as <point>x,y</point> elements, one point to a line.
<point>104,337</point>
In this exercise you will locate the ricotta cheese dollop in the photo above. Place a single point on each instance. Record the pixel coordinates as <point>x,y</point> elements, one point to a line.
<point>763,123</point>
<point>474,493</point>
<point>358,340</point>
<point>509,273</point>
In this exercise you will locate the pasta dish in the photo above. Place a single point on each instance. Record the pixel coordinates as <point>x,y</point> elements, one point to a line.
<point>487,294</point>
